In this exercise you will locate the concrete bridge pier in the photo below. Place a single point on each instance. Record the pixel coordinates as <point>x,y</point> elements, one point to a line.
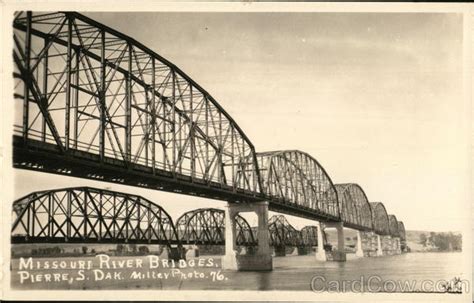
<point>262,259</point>
<point>391,249</point>
<point>359,250</point>
<point>379,246</point>
<point>398,249</point>
<point>320,252</point>
<point>339,254</point>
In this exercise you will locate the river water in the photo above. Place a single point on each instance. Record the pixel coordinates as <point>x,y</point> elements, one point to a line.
<point>289,273</point>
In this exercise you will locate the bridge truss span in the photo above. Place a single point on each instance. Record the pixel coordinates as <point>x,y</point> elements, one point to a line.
<point>90,215</point>
<point>294,178</point>
<point>380,219</point>
<point>309,235</point>
<point>282,233</point>
<point>393,226</point>
<point>207,226</point>
<point>354,206</point>
<point>110,108</point>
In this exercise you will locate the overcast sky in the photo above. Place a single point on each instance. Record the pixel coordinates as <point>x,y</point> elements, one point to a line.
<point>375,98</point>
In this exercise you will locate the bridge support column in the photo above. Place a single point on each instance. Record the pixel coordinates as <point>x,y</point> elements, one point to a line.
<point>262,259</point>
<point>359,250</point>
<point>229,261</point>
<point>320,252</point>
<point>379,246</point>
<point>339,254</point>
<point>263,235</point>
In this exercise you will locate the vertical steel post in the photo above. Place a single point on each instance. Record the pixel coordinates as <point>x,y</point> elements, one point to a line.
<point>127,215</point>
<point>102,98</point>
<point>28,217</point>
<point>68,215</point>
<point>191,134</point>
<point>179,158</point>
<point>137,226</point>
<point>173,151</point>
<point>45,88</point>
<point>50,222</point>
<point>101,217</point>
<point>84,206</point>
<point>220,148</point>
<point>76,100</point>
<point>153,115</point>
<point>26,101</point>
<point>128,108</point>
<point>244,167</point>
<point>68,82</point>
<point>33,209</point>
<point>164,143</point>
<point>233,156</point>
<point>207,168</point>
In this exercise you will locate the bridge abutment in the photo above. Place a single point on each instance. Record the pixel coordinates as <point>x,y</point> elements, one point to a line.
<point>262,259</point>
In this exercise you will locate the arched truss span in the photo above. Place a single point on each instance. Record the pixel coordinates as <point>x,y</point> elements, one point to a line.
<point>282,233</point>
<point>401,231</point>
<point>207,226</point>
<point>89,94</point>
<point>294,177</point>
<point>380,219</point>
<point>90,215</point>
<point>354,206</point>
<point>393,225</point>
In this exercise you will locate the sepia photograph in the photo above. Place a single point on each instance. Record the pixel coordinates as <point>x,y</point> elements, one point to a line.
<point>278,152</point>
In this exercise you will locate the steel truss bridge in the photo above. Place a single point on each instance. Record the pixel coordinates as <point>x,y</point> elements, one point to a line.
<point>92,215</point>
<point>94,103</point>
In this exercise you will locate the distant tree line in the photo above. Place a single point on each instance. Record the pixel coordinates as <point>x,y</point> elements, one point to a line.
<point>442,241</point>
